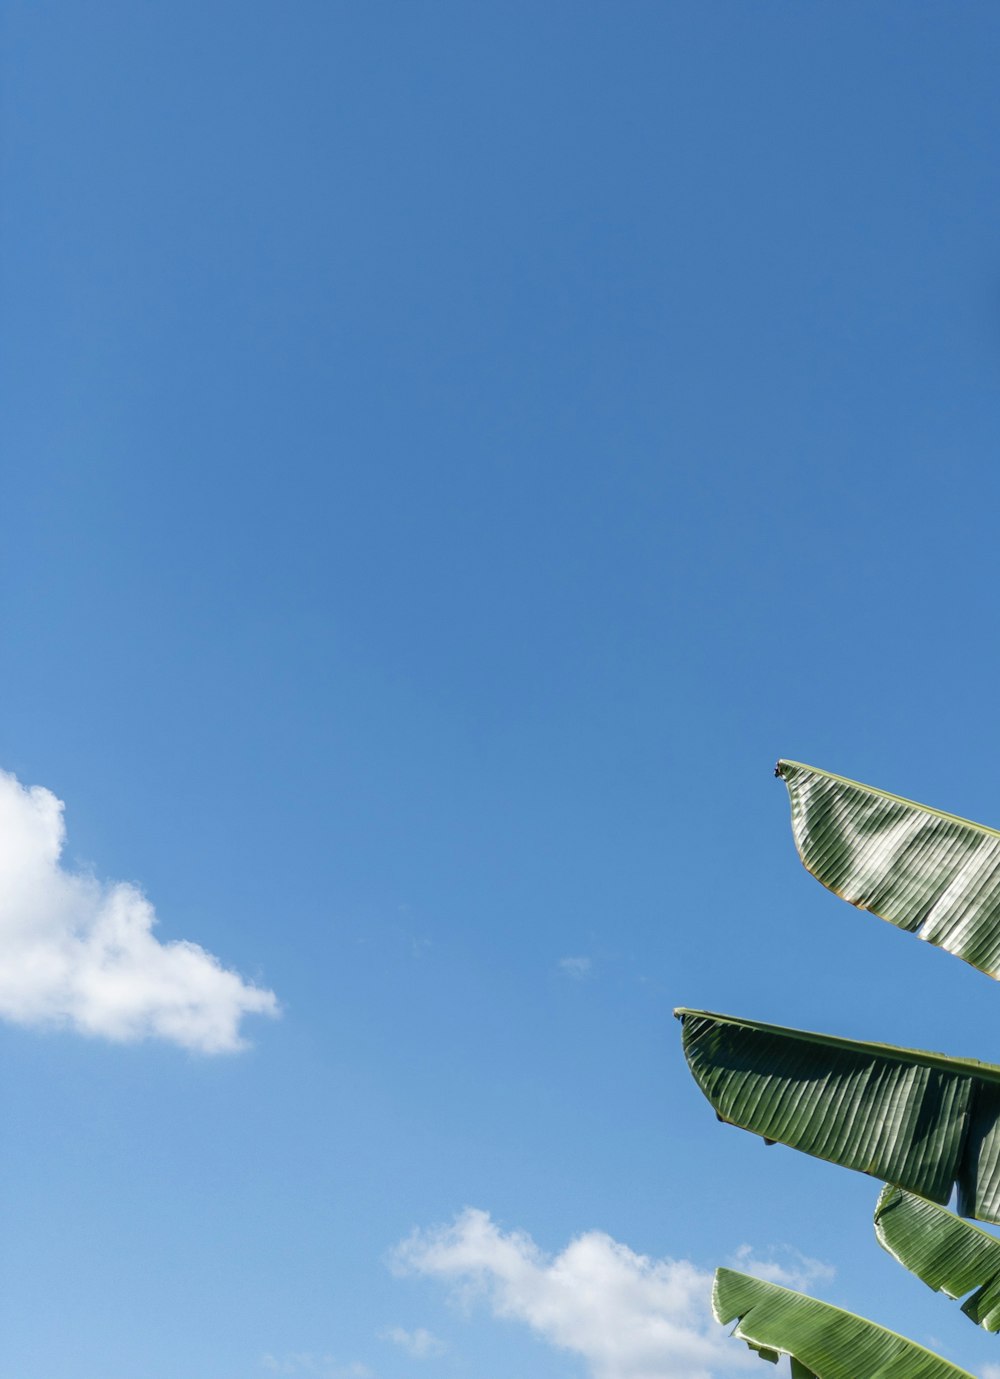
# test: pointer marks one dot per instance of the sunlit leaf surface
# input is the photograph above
(952, 1256)
(921, 1121)
(824, 1342)
(933, 874)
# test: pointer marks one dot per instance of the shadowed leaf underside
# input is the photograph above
(932, 874)
(918, 1120)
(823, 1341)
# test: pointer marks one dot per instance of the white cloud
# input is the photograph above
(578, 968)
(628, 1316)
(991, 1372)
(786, 1266)
(80, 953)
(419, 1342)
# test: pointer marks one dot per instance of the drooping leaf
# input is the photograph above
(824, 1342)
(921, 1121)
(933, 874)
(950, 1255)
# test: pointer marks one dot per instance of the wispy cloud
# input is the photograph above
(577, 968)
(419, 1342)
(315, 1366)
(628, 1316)
(785, 1265)
(81, 953)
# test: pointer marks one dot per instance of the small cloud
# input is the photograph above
(576, 968)
(81, 954)
(784, 1265)
(991, 1372)
(419, 1342)
(316, 1366)
(288, 1365)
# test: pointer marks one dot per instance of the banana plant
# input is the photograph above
(922, 1122)
(951, 1256)
(823, 1342)
(932, 874)
(919, 1120)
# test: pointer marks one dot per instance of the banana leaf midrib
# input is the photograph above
(988, 1072)
(888, 795)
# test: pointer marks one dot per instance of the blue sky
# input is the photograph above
(452, 451)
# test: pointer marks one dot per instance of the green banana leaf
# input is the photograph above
(921, 1121)
(950, 1255)
(823, 1341)
(933, 874)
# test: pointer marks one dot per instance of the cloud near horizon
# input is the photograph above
(627, 1315)
(79, 953)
